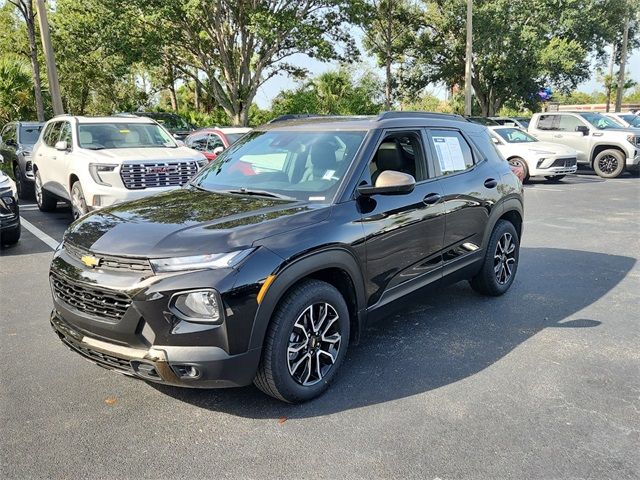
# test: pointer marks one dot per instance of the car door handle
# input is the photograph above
(432, 198)
(491, 183)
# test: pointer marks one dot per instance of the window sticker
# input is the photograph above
(450, 154)
(328, 175)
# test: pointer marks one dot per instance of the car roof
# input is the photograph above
(223, 130)
(370, 122)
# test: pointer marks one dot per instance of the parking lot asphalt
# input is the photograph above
(543, 382)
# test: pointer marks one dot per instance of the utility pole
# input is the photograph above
(610, 84)
(623, 61)
(469, 52)
(52, 71)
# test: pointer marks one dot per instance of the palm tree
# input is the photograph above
(16, 90)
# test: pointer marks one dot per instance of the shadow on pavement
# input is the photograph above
(441, 337)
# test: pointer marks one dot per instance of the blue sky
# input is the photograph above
(271, 88)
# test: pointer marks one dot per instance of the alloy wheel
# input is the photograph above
(77, 202)
(314, 344)
(504, 258)
(38, 190)
(608, 164)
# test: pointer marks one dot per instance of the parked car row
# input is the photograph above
(607, 143)
(9, 210)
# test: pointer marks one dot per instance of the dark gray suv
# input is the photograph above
(16, 142)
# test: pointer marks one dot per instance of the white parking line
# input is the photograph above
(51, 242)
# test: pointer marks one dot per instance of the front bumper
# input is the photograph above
(633, 162)
(9, 210)
(98, 196)
(184, 366)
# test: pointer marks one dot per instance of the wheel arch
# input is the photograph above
(336, 266)
(511, 210)
(601, 148)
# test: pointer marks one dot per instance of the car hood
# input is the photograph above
(144, 154)
(190, 222)
(556, 148)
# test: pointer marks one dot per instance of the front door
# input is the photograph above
(404, 233)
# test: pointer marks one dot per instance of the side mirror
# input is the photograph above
(62, 146)
(218, 150)
(582, 128)
(390, 182)
(495, 141)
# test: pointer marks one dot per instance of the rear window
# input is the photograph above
(29, 134)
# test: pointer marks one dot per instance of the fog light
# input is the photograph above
(186, 371)
(197, 306)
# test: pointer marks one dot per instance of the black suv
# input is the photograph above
(273, 258)
(16, 142)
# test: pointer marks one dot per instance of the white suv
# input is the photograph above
(93, 162)
(601, 143)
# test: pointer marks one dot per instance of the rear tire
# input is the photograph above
(11, 236)
(305, 343)
(609, 163)
(500, 261)
(46, 201)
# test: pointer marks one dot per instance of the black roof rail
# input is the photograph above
(415, 114)
(295, 116)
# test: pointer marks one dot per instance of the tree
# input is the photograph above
(517, 49)
(391, 29)
(16, 90)
(240, 44)
(25, 7)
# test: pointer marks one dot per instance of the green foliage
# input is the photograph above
(16, 90)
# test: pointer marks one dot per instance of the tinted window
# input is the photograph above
(53, 133)
(632, 120)
(453, 153)
(29, 134)
(547, 122)
(99, 136)
(214, 142)
(198, 142)
(233, 137)
(600, 121)
(401, 152)
(303, 165)
(65, 134)
(569, 123)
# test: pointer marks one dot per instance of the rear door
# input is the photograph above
(469, 183)
(47, 160)
(404, 233)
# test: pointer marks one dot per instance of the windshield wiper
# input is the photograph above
(96, 148)
(260, 193)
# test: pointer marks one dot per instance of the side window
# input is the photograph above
(568, 123)
(546, 122)
(453, 153)
(402, 152)
(214, 142)
(65, 134)
(198, 142)
(52, 134)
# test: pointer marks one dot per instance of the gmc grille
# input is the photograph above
(138, 176)
(89, 300)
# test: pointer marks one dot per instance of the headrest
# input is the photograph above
(389, 157)
(323, 155)
(85, 137)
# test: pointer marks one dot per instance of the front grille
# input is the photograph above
(98, 357)
(564, 162)
(90, 300)
(138, 176)
(110, 262)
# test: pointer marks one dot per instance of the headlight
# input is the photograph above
(96, 168)
(199, 262)
(197, 306)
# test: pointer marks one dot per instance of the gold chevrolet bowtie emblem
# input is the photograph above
(90, 261)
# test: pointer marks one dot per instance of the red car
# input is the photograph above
(212, 141)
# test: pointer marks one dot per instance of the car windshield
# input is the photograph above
(29, 134)
(600, 121)
(99, 136)
(633, 120)
(171, 122)
(515, 135)
(302, 165)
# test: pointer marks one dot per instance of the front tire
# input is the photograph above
(609, 163)
(78, 202)
(46, 202)
(500, 262)
(305, 343)
(520, 162)
(10, 237)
